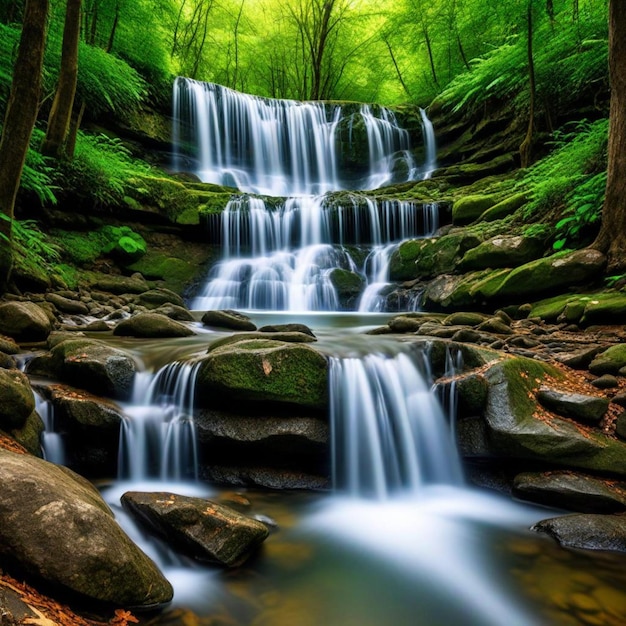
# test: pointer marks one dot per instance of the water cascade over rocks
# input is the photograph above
(312, 250)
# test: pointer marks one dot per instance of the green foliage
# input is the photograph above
(100, 170)
(9, 38)
(570, 182)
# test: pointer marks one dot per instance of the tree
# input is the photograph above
(19, 121)
(525, 149)
(61, 111)
(612, 236)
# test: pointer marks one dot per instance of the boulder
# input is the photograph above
(505, 207)
(570, 490)
(620, 425)
(151, 325)
(67, 305)
(228, 319)
(8, 346)
(91, 365)
(464, 319)
(578, 406)
(48, 513)
(610, 361)
(287, 337)
(16, 399)
(470, 208)
(24, 321)
(175, 312)
(205, 530)
(347, 284)
(504, 251)
(515, 429)
(587, 531)
(121, 284)
(29, 434)
(287, 328)
(263, 370)
(155, 298)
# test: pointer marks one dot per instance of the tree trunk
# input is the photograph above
(612, 236)
(19, 121)
(525, 150)
(61, 111)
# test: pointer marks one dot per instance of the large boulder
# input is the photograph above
(610, 361)
(91, 365)
(587, 531)
(263, 370)
(155, 298)
(516, 428)
(469, 208)
(151, 325)
(24, 321)
(205, 530)
(55, 526)
(17, 401)
(504, 251)
(578, 406)
(228, 319)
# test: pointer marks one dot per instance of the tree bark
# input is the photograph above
(19, 121)
(61, 111)
(525, 150)
(612, 236)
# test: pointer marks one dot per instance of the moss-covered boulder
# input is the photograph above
(17, 401)
(610, 361)
(607, 308)
(29, 434)
(347, 284)
(501, 252)
(262, 370)
(505, 207)
(24, 321)
(517, 428)
(469, 208)
(91, 365)
(56, 527)
(228, 319)
(423, 258)
(174, 271)
(151, 325)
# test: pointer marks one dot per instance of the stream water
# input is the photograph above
(401, 539)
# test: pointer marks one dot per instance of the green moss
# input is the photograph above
(175, 272)
(505, 207)
(469, 208)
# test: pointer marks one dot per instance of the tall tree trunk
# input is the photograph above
(395, 64)
(61, 111)
(19, 121)
(525, 150)
(612, 236)
(116, 21)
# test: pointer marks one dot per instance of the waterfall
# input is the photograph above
(388, 432)
(282, 257)
(285, 147)
(430, 145)
(52, 444)
(158, 437)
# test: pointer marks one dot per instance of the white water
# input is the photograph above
(52, 443)
(158, 435)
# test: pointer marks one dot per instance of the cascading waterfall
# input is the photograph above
(280, 254)
(158, 440)
(52, 443)
(388, 432)
(283, 257)
(285, 147)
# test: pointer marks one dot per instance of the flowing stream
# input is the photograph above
(401, 538)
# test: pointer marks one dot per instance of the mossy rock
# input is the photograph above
(16, 399)
(29, 435)
(605, 309)
(262, 370)
(423, 258)
(468, 209)
(346, 283)
(123, 244)
(610, 361)
(175, 272)
(501, 252)
(505, 207)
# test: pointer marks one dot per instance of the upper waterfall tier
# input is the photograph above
(287, 148)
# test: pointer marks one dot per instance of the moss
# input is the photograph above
(261, 370)
(550, 308)
(470, 208)
(346, 283)
(610, 361)
(176, 273)
(505, 207)
(605, 309)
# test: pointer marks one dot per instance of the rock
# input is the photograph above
(121, 284)
(67, 305)
(503, 251)
(606, 381)
(48, 513)
(206, 530)
(468, 335)
(91, 365)
(151, 325)
(610, 361)
(7, 362)
(8, 346)
(580, 359)
(578, 406)
(620, 425)
(495, 325)
(569, 490)
(514, 430)
(228, 319)
(287, 337)
(24, 321)
(287, 328)
(29, 435)
(155, 298)
(464, 319)
(405, 324)
(262, 370)
(347, 284)
(175, 312)
(97, 326)
(16, 399)
(587, 531)
(470, 208)
(505, 207)
(605, 309)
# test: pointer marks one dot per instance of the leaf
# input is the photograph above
(558, 244)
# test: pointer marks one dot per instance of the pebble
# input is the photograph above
(606, 381)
